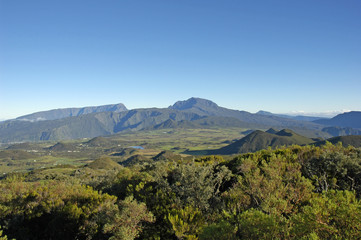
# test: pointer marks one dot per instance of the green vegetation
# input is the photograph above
(352, 140)
(259, 140)
(295, 192)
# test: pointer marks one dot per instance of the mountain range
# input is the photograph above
(71, 112)
(297, 117)
(89, 122)
(348, 119)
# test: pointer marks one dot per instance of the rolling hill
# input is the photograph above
(352, 140)
(259, 140)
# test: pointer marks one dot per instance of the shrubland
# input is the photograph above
(296, 192)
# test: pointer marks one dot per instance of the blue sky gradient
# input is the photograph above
(276, 55)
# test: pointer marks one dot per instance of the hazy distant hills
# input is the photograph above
(349, 119)
(259, 140)
(298, 117)
(341, 131)
(193, 113)
(71, 112)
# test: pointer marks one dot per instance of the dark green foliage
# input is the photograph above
(332, 215)
(59, 210)
(296, 192)
(335, 167)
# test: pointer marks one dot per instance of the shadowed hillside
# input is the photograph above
(259, 140)
(349, 119)
(346, 141)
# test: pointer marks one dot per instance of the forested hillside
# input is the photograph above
(296, 192)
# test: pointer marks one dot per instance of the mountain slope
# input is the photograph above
(71, 112)
(192, 113)
(341, 131)
(259, 140)
(205, 107)
(89, 125)
(349, 119)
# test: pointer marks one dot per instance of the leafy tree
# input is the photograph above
(332, 215)
(269, 181)
(214, 231)
(2, 237)
(60, 210)
(335, 168)
(186, 222)
(127, 224)
(255, 224)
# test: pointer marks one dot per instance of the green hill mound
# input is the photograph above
(272, 131)
(167, 155)
(352, 140)
(61, 146)
(125, 152)
(134, 160)
(98, 142)
(259, 140)
(104, 163)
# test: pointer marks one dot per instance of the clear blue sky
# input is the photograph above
(279, 56)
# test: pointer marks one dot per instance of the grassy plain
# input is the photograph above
(27, 157)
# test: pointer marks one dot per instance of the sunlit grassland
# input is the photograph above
(153, 142)
(23, 165)
(179, 140)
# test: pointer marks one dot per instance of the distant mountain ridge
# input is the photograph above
(205, 107)
(348, 119)
(71, 112)
(341, 131)
(92, 122)
(298, 117)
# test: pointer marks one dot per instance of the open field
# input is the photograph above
(26, 157)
